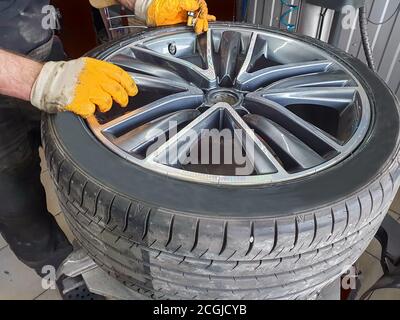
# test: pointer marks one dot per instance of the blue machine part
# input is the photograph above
(291, 8)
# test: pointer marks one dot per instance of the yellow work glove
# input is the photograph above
(81, 85)
(169, 12)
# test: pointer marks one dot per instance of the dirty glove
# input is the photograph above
(81, 85)
(169, 12)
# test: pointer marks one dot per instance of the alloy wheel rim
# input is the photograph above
(302, 110)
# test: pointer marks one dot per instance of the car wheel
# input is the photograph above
(325, 136)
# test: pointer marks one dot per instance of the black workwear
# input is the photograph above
(24, 24)
(30, 230)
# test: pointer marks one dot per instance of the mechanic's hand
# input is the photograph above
(168, 12)
(81, 85)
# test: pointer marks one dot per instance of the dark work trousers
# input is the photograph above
(30, 230)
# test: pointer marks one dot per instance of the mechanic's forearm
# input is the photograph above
(129, 4)
(17, 75)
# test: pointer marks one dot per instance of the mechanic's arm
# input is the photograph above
(17, 75)
(168, 12)
(78, 85)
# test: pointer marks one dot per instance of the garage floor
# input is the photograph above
(19, 282)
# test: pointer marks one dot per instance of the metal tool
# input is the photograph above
(117, 22)
(192, 17)
(190, 20)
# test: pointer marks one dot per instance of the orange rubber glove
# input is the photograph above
(170, 12)
(81, 85)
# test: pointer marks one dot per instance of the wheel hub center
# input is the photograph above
(230, 96)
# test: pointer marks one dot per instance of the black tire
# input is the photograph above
(174, 239)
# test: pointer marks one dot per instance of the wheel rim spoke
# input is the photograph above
(154, 83)
(136, 142)
(285, 144)
(262, 159)
(261, 78)
(130, 64)
(205, 48)
(258, 47)
(337, 98)
(228, 53)
(159, 108)
(337, 78)
(203, 78)
(175, 148)
(305, 131)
